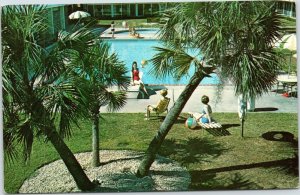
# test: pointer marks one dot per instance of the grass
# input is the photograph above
(262, 159)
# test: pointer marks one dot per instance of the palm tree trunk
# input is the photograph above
(75, 169)
(81, 179)
(95, 150)
(167, 124)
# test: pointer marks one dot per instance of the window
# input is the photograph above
(132, 10)
(106, 10)
(140, 9)
(56, 21)
(125, 10)
(117, 9)
(148, 9)
(155, 9)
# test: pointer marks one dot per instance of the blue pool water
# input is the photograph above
(138, 50)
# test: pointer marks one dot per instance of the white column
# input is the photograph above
(112, 10)
(128, 10)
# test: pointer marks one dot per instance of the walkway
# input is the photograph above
(271, 102)
(123, 33)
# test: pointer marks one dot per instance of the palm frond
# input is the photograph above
(179, 23)
(25, 137)
(10, 150)
(77, 40)
(63, 101)
(116, 100)
(171, 60)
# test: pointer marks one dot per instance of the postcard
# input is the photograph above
(149, 96)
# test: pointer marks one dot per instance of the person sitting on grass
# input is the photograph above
(206, 115)
(161, 106)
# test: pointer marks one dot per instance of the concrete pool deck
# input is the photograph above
(270, 102)
(108, 35)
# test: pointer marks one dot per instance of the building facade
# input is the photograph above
(287, 7)
(57, 18)
(133, 10)
(140, 10)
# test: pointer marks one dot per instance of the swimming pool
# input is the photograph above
(138, 50)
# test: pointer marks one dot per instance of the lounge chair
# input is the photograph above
(213, 125)
(160, 108)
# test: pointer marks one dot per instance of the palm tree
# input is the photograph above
(40, 87)
(236, 39)
(102, 71)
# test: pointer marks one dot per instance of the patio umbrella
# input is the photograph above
(290, 42)
(78, 15)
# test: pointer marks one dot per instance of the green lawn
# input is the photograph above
(263, 159)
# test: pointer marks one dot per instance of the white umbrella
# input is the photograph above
(78, 15)
(290, 42)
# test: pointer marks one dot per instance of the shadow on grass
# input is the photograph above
(206, 179)
(154, 117)
(209, 182)
(215, 132)
(218, 132)
(282, 136)
(180, 120)
(193, 150)
(292, 166)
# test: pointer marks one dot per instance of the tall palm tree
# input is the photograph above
(102, 71)
(236, 39)
(40, 87)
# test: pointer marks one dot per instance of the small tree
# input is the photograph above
(235, 37)
(40, 89)
(101, 71)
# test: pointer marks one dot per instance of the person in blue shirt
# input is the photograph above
(205, 116)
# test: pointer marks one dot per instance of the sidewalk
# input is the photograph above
(270, 102)
(120, 35)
